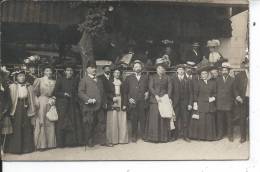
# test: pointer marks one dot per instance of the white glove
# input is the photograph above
(195, 106)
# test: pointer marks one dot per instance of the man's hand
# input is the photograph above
(195, 106)
(146, 95)
(212, 99)
(132, 101)
(67, 95)
(124, 108)
(239, 99)
(189, 107)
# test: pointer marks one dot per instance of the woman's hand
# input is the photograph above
(158, 99)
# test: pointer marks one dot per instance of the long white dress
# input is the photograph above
(44, 131)
(117, 129)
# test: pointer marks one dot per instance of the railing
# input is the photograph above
(126, 71)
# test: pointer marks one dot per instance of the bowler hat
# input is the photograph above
(92, 64)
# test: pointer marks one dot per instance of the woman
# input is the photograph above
(68, 126)
(44, 131)
(117, 130)
(158, 128)
(202, 126)
(214, 56)
(23, 109)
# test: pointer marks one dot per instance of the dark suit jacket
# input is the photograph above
(202, 93)
(108, 90)
(225, 93)
(193, 57)
(135, 89)
(240, 84)
(5, 99)
(176, 93)
(88, 89)
(159, 86)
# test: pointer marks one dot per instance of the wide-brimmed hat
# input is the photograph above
(205, 68)
(213, 43)
(225, 65)
(161, 62)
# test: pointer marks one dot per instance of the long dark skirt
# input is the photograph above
(21, 141)
(203, 128)
(157, 128)
(69, 124)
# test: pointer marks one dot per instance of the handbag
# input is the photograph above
(165, 107)
(52, 114)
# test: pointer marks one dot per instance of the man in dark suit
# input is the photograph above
(242, 98)
(93, 104)
(135, 97)
(224, 102)
(182, 101)
(193, 56)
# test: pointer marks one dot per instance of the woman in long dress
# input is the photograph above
(117, 130)
(203, 122)
(158, 128)
(23, 108)
(68, 126)
(44, 131)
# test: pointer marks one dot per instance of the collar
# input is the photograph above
(107, 76)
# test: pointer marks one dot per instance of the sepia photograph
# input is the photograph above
(105, 80)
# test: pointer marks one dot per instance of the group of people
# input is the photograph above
(109, 110)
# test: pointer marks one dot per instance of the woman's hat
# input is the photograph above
(213, 43)
(225, 65)
(206, 68)
(116, 67)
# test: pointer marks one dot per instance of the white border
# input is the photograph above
(201, 166)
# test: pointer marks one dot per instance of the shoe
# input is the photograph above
(186, 139)
(134, 139)
(231, 139)
(242, 140)
(107, 145)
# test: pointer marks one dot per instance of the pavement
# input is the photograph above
(177, 150)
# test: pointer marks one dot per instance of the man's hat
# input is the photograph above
(161, 62)
(92, 64)
(195, 44)
(138, 61)
(181, 66)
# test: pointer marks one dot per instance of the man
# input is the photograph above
(214, 73)
(193, 56)
(69, 124)
(107, 83)
(135, 97)
(242, 98)
(182, 101)
(224, 100)
(93, 104)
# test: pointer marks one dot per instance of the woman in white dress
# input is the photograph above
(44, 130)
(117, 130)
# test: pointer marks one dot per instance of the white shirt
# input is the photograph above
(189, 76)
(138, 76)
(22, 91)
(107, 76)
(181, 77)
(225, 78)
(117, 84)
(195, 52)
(206, 81)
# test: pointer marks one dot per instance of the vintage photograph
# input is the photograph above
(124, 80)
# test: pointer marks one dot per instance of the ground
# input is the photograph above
(177, 150)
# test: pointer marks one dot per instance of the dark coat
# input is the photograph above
(89, 89)
(225, 93)
(159, 87)
(240, 84)
(108, 90)
(135, 89)
(202, 92)
(110, 101)
(178, 94)
(193, 57)
(5, 99)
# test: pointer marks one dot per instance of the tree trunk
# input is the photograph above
(86, 49)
